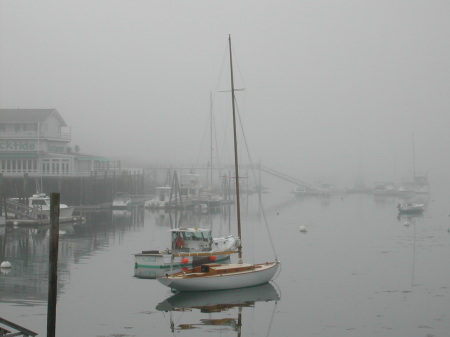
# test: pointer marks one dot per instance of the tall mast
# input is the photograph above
(236, 163)
(210, 137)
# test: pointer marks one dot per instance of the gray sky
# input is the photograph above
(329, 84)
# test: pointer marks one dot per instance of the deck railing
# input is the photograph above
(66, 136)
(21, 330)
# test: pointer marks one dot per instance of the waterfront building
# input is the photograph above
(36, 155)
(37, 142)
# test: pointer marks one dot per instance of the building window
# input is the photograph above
(46, 166)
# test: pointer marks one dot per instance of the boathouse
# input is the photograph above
(35, 148)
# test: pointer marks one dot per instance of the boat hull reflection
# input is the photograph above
(212, 301)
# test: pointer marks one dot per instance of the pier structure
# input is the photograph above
(157, 174)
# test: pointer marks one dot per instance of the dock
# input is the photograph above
(41, 222)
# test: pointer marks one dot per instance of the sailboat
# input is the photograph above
(214, 276)
(419, 186)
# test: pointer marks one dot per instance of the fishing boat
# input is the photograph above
(411, 207)
(214, 276)
(188, 246)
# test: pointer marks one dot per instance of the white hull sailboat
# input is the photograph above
(213, 276)
(221, 276)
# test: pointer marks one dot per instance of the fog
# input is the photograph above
(333, 89)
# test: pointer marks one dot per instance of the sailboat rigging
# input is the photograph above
(213, 276)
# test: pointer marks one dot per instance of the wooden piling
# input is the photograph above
(53, 264)
(2, 194)
(5, 207)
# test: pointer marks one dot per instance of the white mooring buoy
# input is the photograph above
(5, 264)
(303, 229)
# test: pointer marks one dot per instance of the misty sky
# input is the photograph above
(330, 86)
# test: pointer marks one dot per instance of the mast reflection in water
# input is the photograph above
(218, 309)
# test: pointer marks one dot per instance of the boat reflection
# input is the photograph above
(409, 217)
(216, 308)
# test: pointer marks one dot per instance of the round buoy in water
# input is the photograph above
(185, 260)
(303, 229)
(5, 264)
(213, 258)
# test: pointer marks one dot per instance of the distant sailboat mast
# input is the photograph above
(414, 160)
(236, 164)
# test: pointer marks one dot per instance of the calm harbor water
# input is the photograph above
(357, 271)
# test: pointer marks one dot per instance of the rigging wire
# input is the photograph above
(254, 177)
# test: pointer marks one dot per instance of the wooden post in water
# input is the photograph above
(2, 194)
(53, 264)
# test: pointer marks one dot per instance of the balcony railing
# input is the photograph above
(62, 173)
(66, 136)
